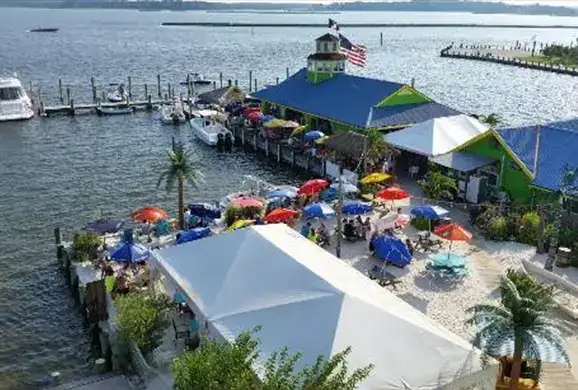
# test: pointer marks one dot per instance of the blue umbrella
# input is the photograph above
(267, 118)
(129, 252)
(449, 260)
(194, 234)
(319, 210)
(282, 193)
(328, 194)
(313, 135)
(391, 249)
(204, 210)
(103, 226)
(356, 208)
(430, 212)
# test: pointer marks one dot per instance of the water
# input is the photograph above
(64, 171)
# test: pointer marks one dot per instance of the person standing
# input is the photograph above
(187, 218)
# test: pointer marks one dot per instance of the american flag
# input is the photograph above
(356, 54)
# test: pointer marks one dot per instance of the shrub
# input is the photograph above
(439, 186)
(513, 225)
(488, 212)
(143, 318)
(420, 223)
(497, 229)
(85, 245)
(530, 228)
(232, 212)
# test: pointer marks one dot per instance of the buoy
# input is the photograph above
(55, 377)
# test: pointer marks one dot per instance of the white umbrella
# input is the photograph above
(346, 187)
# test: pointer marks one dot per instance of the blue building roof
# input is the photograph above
(557, 149)
(348, 99)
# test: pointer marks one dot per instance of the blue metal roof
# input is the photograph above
(558, 143)
(462, 161)
(348, 99)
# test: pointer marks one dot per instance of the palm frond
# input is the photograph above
(553, 338)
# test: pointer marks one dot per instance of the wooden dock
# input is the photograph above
(511, 57)
(71, 108)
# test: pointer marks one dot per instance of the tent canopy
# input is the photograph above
(437, 136)
(305, 298)
(222, 96)
(462, 161)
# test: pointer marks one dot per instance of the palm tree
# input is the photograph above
(179, 168)
(522, 316)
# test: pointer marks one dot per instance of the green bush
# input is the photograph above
(143, 318)
(497, 229)
(420, 223)
(488, 212)
(439, 186)
(85, 245)
(530, 229)
(232, 212)
(513, 225)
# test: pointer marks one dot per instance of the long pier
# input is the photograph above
(364, 25)
(511, 57)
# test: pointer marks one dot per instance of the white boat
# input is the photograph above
(15, 104)
(173, 114)
(206, 127)
(117, 95)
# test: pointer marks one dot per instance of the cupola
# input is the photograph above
(327, 61)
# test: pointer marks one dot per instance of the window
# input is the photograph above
(325, 47)
(318, 47)
(10, 93)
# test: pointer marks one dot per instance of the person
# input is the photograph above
(306, 229)
(187, 217)
(313, 236)
(323, 233)
(409, 245)
(349, 230)
(371, 242)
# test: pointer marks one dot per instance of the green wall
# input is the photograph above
(514, 181)
(316, 77)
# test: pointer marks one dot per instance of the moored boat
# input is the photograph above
(114, 110)
(206, 127)
(15, 104)
(52, 30)
(173, 114)
(118, 95)
(196, 79)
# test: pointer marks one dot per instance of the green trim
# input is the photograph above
(316, 77)
(404, 95)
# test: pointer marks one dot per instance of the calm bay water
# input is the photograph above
(65, 171)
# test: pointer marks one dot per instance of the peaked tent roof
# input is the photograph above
(437, 136)
(308, 300)
(349, 99)
(554, 144)
(222, 96)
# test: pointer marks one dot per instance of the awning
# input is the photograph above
(462, 161)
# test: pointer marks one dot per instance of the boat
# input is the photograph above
(106, 111)
(173, 114)
(117, 95)
(15, 104)
(196, 79)
(52, 30)
(206, 127)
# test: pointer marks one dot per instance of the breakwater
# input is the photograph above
(363, 25)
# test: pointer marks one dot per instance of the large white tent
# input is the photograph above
(437, 136)
(305, 298)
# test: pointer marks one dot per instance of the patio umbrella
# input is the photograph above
(319, 210)
(267, 118)
(273, 123)
(255, 116)
(204, 210)
(282, 193)
(149, 214)
(402, 220)
(392, 193)
(298, 130)
(429, 212)
(452, 232)
(246, 201)
(313, 135)
(392, 249)
(376, 177)
(290, 125)
(444, 260)
(328, 195)
(129, 252)
(103, 226)
(247, 111)
(312, 187)
(194, 234)
(280, 215)
(356, 208)
(240, 224)
(346, 187)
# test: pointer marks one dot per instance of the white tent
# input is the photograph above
(437, 136)
(305, 298)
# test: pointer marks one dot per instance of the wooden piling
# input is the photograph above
(229, 82)
(287, 72)
(159, 86)
(68, 95)
(146, 90)
(277, 80)
(221, 79)
(130, 87)
(255, 89)
(103, 96)
(214, 85)
(150, 102)
(57, 236)
(93, 89)
(236, 83)
(72, 107)
(279, 153)
(380, 39)
(169, 89)
(250, 80)
(60, 90)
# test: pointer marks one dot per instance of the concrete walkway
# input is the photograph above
(98, 382)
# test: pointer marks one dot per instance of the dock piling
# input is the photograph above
(60, 90)
(169, 89)
(215, 84)
(72, 107)
(150, 102)
(287, 72)
(57, 236)
(93, 89)
(250, 80)
(277, 80)
(255, 89)
(229, 82)
(68, 95)
(129, 87)
(236, 83)
(221, 79)
(146, 91)
(159, 85)
(380, 39)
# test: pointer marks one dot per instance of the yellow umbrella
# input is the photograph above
(240, 224)
(376, 177)
(298, 130)
(322, 139)
(274, 123)
(290, 124)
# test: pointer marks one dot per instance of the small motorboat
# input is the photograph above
(117, 95)
(206, 127)
(106, 111)
(51, 30)
(15, 104)
(196, 79)
(173, 114)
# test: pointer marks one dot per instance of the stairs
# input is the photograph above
(558, 377)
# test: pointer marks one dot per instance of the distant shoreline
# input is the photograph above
(362, 25)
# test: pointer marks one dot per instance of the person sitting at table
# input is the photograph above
(323, 233)
(313, 236)
(409, 245)
(349, 231)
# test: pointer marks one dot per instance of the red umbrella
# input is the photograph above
(149, 214)
(392, 193)
(246, 201)
(249, 110)
(312, 187)
(255, 116)
(280, 215)
(453, 232)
